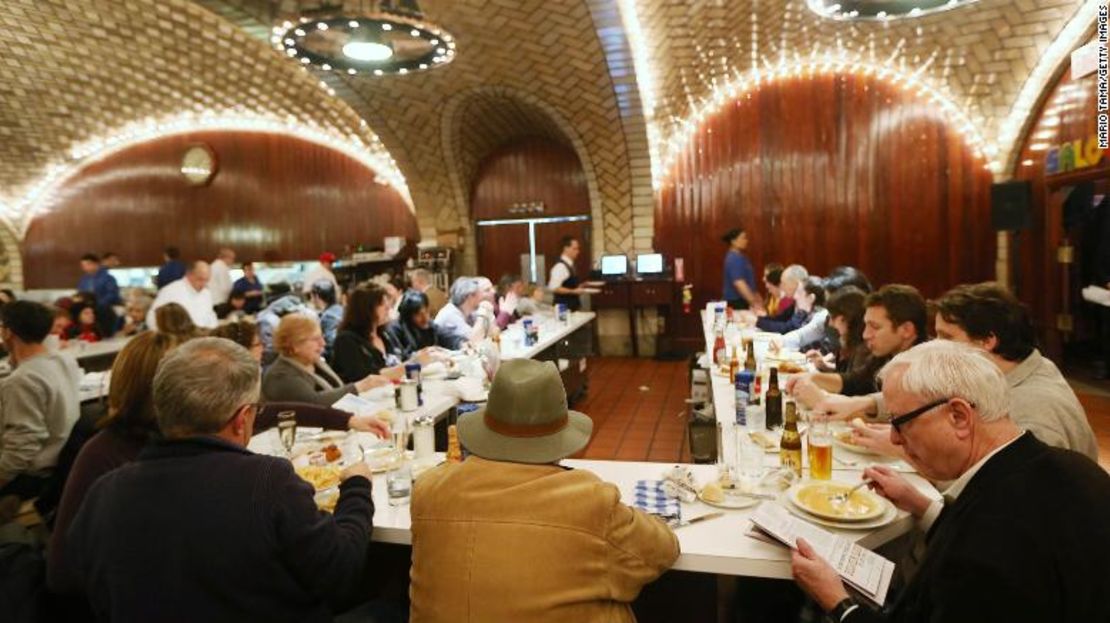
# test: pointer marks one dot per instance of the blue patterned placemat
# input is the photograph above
(650, 498)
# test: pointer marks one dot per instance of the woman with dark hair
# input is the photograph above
(739, 276)
(245, 333)
(173, 319)
(84, 327)
(360, 345)
(806, 300)
(130, 423)
(848, 351)
(772, 280)
(414, 331)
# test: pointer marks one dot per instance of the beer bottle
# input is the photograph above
(772, 400)
(733, 367)
(749, 361)
(454, 452)
(790, 448)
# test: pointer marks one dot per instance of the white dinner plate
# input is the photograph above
(889, 515)
(837, 435)
(732, 502)
(819, 490)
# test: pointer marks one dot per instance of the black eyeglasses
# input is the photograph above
(897, 421)
(256, 406)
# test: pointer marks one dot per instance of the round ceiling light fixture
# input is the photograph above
(377, 38)
(881, 10)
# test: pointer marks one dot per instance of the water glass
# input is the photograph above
(749, 459)
(287, 430)
(399, 485)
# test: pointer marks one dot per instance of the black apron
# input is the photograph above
(572, 301)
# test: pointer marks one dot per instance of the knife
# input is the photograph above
(699, 518)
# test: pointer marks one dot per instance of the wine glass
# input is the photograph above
(287, 430)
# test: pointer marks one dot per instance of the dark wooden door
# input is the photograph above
(500, 248)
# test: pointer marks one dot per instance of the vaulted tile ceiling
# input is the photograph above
(572, 70)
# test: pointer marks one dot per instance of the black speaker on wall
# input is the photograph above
(1011, 206)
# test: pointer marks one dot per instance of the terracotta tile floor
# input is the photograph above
(639, 412)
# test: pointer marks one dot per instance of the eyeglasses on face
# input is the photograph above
(257, 407)
(898, 421)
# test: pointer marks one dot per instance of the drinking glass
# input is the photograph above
(819, 439)
(399, 484)
(287, 430)
(400, 430)
(749, 459)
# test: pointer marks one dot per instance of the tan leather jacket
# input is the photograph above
(495, 541)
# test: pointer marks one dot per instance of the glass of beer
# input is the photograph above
(820, 448)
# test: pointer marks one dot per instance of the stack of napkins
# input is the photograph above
(651, 499)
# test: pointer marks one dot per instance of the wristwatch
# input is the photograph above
(842, 609)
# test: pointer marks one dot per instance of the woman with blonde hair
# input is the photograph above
(300, 374)
(128, 426)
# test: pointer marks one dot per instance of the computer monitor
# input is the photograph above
(649, 264)
(614, 266)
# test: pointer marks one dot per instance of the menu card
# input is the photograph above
(355, 404)
(863, 570)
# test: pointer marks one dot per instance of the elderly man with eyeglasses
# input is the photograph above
(201, 529)
(1022, 533)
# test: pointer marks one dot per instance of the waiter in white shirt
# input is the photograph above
(323, 271)
(190, 292)
(563, 281)
(220, 283)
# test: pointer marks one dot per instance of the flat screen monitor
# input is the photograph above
(614, 265)
(649, 264)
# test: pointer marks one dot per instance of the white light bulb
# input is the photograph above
(353, 24)
(387, 26)
(321, 26)
(367, 51)
(299, 32)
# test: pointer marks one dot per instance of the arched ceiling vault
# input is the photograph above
(78, 70)
(83, 76)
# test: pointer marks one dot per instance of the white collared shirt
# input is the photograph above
(316, 274)
(197, 304)
(559, 273)
(219, 284)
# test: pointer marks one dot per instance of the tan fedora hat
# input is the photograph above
(526, 419)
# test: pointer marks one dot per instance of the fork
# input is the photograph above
(841, 498)
(845, 462)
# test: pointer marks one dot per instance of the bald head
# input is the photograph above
(198, 275)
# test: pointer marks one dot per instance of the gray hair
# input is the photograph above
(464, 288)
(420, 274)
(943, 369)
(795, 272)
(201, 383)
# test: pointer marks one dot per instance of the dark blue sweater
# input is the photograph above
(203, 530)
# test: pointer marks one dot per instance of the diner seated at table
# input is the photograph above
(361, 347)
(510, 535)
(809, 300)
(300, 374)
(134, 320)
(777, 300)
(324, 298)
(847, 351)
(129, 424)
(510, 289)
(269, 318)
(466, 317)
(198, 528)
(894, 321)
(38, 400)
(989, 317)
(533, 301)
(791, 277)
(234, 308)
(173, 319)
(243, 332)
(414, 330)
(1021, 535)
(85, 327)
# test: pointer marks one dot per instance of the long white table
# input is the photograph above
(550, 332)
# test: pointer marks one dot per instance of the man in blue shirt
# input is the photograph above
(250, 287)
(172, 270)
(739, 276)
(98, 281)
